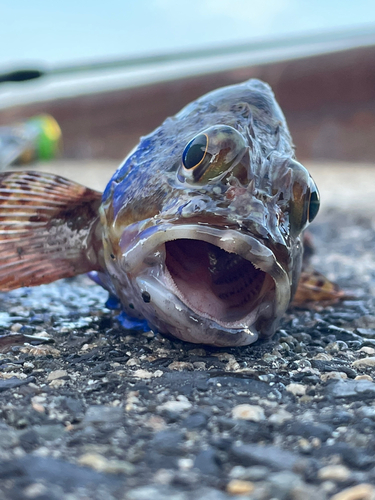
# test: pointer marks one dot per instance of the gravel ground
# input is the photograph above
(99, 412)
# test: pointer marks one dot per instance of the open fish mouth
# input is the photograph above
(214, 283)
(222, 282)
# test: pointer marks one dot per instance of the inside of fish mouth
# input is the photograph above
(215, 283)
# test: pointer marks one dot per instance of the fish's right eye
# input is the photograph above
(212, 154)
(195, 153)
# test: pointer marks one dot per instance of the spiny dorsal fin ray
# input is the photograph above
(47, 229)
(315, 287)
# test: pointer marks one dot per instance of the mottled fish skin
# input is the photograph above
(164, 230)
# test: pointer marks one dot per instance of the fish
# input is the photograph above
(199, 233)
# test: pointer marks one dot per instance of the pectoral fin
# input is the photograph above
(49, 229)
(315, 287)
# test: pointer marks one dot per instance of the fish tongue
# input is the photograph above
(47, 229)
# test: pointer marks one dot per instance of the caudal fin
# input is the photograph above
(48, 229)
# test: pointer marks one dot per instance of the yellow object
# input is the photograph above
(48, 138)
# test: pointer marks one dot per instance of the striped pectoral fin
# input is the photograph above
(315, 287)
(48, 229)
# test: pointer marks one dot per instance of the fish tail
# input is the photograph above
(49, 229)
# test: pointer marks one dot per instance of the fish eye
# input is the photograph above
(211, 154)
(196, 152)
(305, 199)
(314, 202)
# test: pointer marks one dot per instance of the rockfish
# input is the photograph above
(199, 231)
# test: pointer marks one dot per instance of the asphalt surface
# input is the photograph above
(99, 412)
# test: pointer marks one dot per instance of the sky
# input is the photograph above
(62, 32)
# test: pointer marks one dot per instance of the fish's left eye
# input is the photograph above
(305, 200)
(314, 202)
(211, 154)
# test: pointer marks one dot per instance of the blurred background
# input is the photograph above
(109, 72)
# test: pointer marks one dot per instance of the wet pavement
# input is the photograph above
(99, 412)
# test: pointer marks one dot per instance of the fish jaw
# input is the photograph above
(203, 284)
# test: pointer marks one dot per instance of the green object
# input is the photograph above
(48, 136)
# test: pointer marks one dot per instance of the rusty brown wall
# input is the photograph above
(329, 102)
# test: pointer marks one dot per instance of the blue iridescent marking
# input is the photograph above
(112, 302)
(123, 175)
(150, 231)
(130, 323)
(120, 172)
(146, 143)
(96, 278)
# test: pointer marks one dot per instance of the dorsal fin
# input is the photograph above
(48, 229)
(315, 287)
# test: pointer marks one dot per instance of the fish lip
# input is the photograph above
(211, 333)
(231, 240)
(245, 245)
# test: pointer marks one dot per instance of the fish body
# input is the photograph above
(199, 230)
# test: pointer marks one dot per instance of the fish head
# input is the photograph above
(202, 221)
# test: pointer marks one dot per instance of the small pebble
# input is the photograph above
(360, 492)
(332, 376)
(57, 383)
(40, 350)
(296, 389)
(16, 327)
(280, 417)
(156, 423)
(163, 476)
(254, 473)
(35, 490)
(238, 487)
(102, 464)
(337, 473)
(364, 363)
(56, 374)
(305, 445)
(322, 356)
(28, 365)
(175, 406)
(364, 377)
(199, 365)
(335, 347)
(181, 366)
(248, 412)
(232, 366)
(143, 374)
(368, 412)
(38, 407)
(185, 463)
(133, 362)
(328, 487)
(367, 350)
(269, 358)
